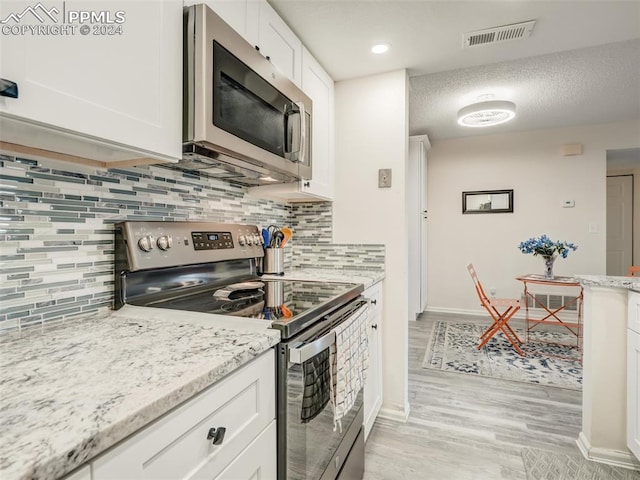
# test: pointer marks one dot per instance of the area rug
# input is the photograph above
(544, 465)
(452, 348)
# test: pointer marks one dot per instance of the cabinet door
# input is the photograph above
(633, 392)
(634, 311)
(119, 82)
(177, 445)
(318, 85)
(258, 461)
(373, 383)
(278, 42)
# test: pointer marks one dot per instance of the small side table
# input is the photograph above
(550, 314)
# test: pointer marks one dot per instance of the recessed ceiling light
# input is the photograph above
(380, 48)
(486, 114)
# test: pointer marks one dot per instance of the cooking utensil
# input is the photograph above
(278, 238)
(286, 313)
(288, 233)
(272, 231)
(266, 237)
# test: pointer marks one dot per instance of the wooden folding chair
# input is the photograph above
(634, 271)
(501, 310)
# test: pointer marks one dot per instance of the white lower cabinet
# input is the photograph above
(373, 383)
(259, 460)
(177, 445)
(633, 375)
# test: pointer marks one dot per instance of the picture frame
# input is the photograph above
(487, 201)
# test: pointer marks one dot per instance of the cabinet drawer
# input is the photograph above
(176, 445)
(634, 311)
(258, 461)
(374, 293)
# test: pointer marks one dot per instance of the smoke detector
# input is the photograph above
(506, 33)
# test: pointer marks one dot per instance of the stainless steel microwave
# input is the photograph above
(243, 119)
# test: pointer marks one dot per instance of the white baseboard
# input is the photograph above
(616, 458)
(395, 414)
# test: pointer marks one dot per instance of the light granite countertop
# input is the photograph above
(70, 391)
(631, 283)
(366, 277)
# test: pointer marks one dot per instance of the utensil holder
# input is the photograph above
(273, 261)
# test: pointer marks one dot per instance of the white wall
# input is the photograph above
(532, 165)
(372, 133)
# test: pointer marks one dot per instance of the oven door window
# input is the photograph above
(311, 445)
(247, 106)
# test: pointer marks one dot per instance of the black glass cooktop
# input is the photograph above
(289, 304)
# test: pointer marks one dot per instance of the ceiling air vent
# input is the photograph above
(505, 33)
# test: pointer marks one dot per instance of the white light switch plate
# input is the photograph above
(384, 178)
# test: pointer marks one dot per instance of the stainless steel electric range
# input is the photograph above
(209, 267)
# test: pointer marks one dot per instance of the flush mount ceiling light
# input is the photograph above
(486, 114)
(380, 48)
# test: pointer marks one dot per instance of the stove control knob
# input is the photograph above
(165, 242)
(257, 239)
(249, 239)
(146, 243)
(242, 240)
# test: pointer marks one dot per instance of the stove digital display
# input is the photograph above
(211, 240)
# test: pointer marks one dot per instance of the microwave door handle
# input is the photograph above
(303, 133)
(289, 111)
(302, 354)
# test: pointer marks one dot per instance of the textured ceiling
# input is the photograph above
(590, 85)
(581, 64)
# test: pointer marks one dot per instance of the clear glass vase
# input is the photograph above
(548, 266)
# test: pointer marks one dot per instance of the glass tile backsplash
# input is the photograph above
(56, 228)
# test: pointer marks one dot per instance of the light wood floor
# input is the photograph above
(465, 427)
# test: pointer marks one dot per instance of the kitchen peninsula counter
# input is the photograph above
(70, 391)
(366, 277)
(604, 390)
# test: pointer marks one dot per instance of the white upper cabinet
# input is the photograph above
(279, 44)
(261, 26)
(319, 86)
(107, 89)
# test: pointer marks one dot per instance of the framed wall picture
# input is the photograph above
(487, 201)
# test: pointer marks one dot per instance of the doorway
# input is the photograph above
(622, 210)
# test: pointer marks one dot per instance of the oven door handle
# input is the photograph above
(303, 353)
